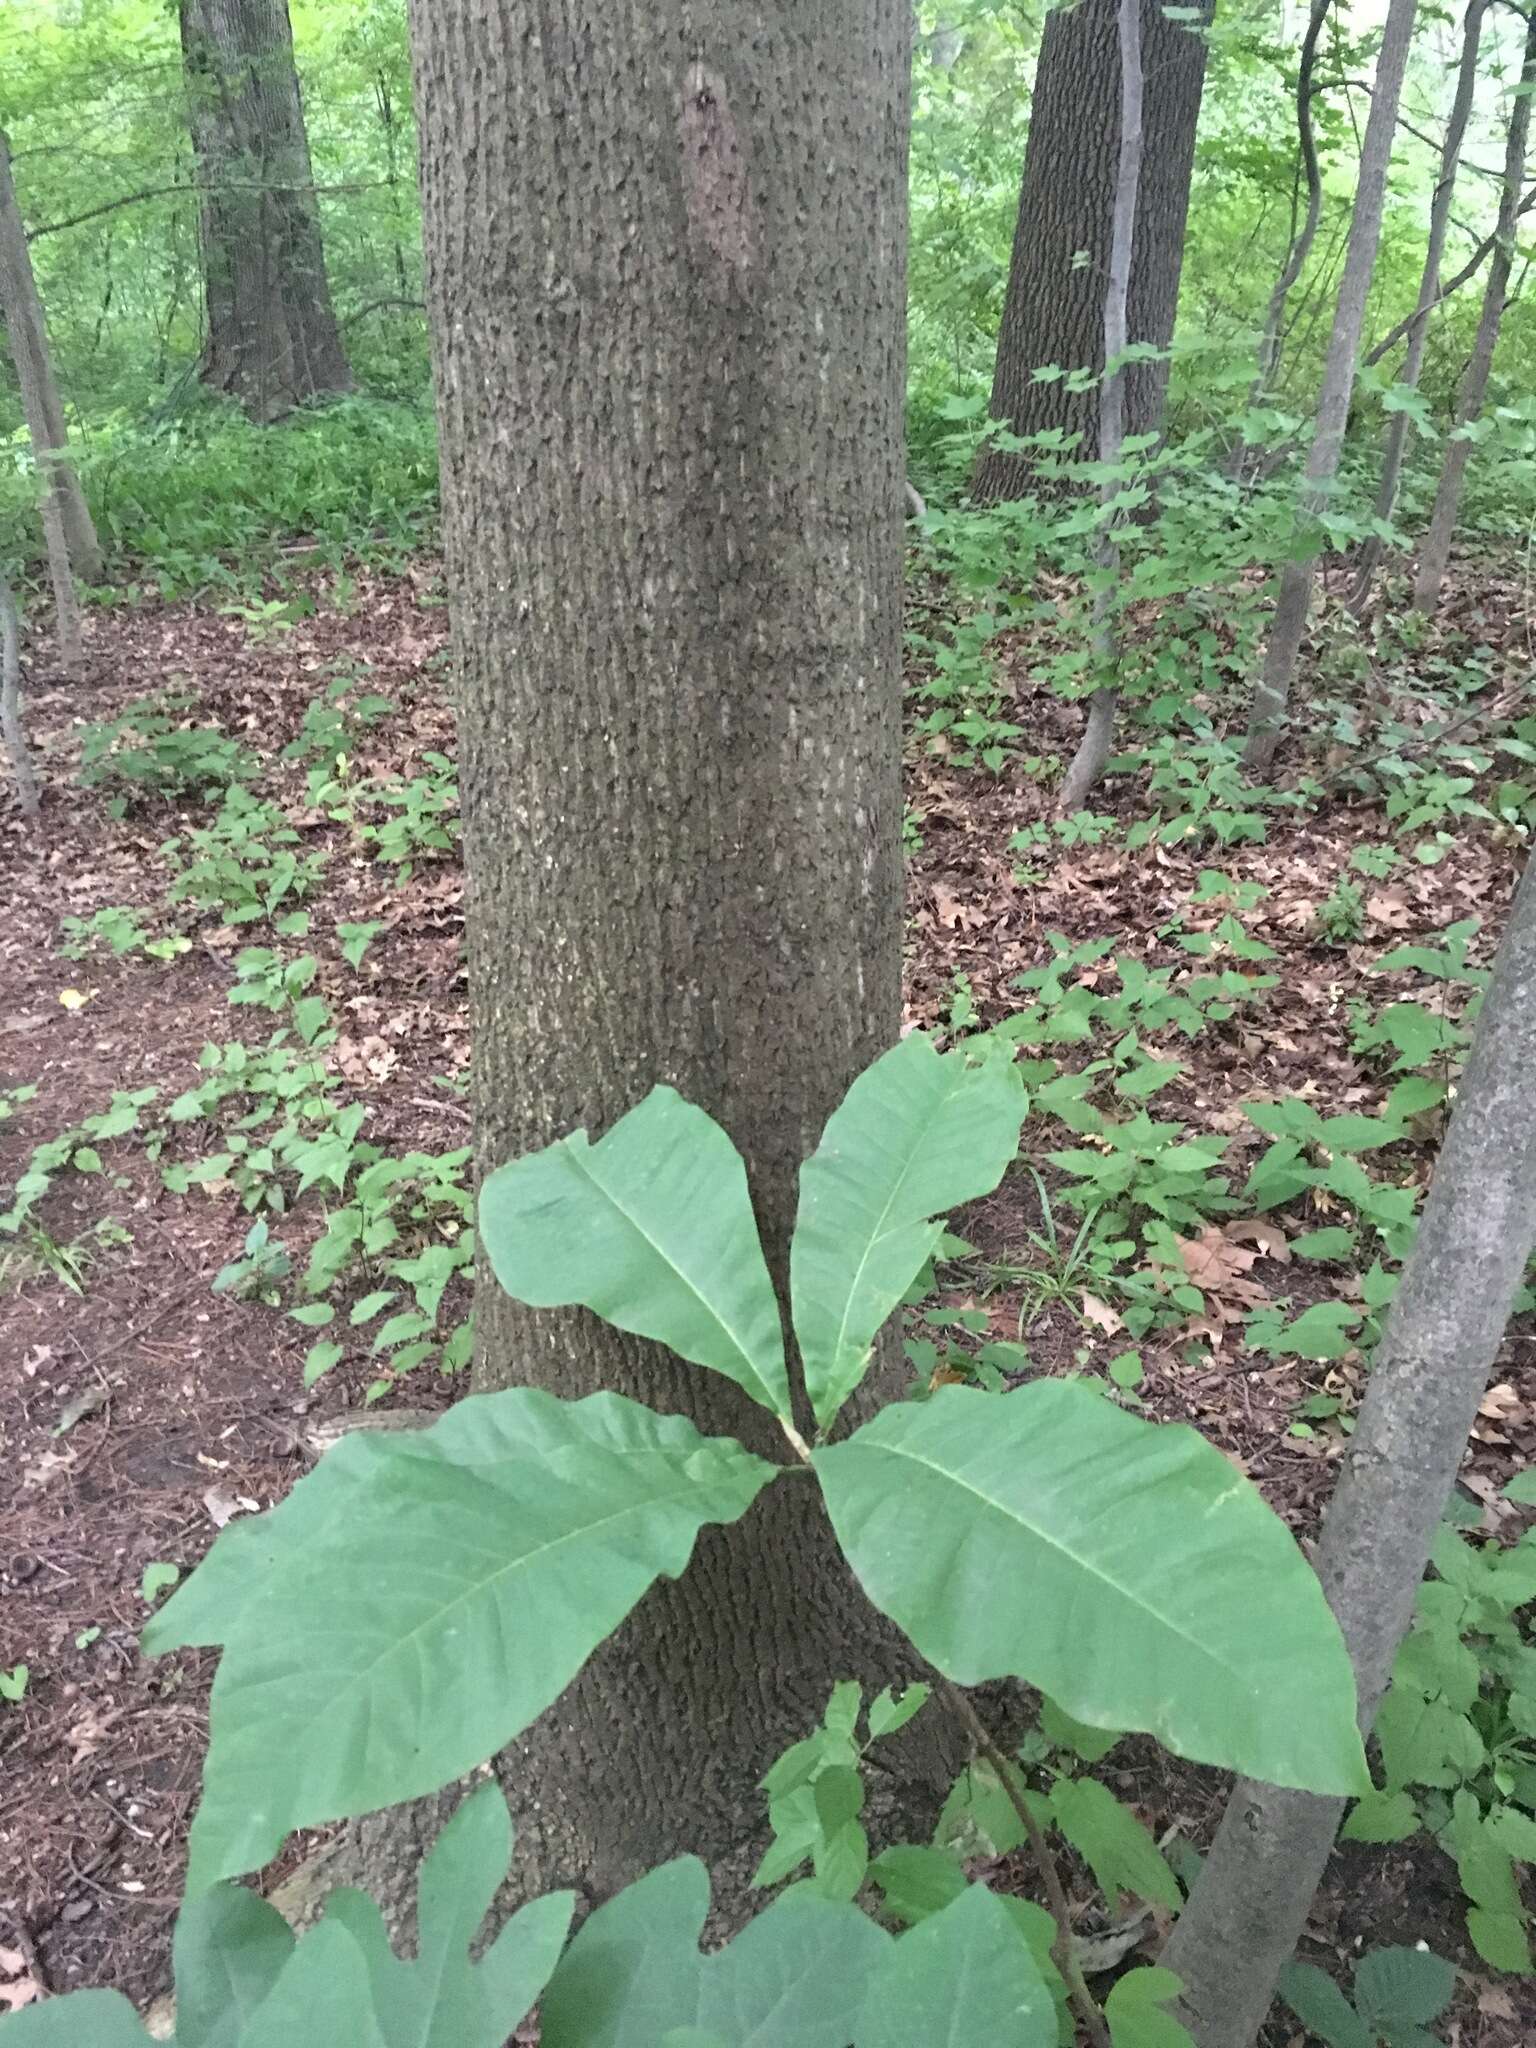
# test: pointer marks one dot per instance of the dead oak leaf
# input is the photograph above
(1101, 1315)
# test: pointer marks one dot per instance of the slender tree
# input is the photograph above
(1088, 763)
(670, 385)
(73, 550)
(1304, 231)
(1435, 554)
(11, 728)
(1273, 690)
(1396, 444)
(272, 341)
(1428, 1375)
(1054, 311)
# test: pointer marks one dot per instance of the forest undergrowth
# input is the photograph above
(232, 1117)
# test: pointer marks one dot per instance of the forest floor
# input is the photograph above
(139, 1409)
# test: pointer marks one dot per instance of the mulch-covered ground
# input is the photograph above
(139, 1409)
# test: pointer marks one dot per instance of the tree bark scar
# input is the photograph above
(715, 188)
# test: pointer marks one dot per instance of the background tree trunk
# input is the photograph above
(12, 730)
(670, 384)
(272, 340)
(65, 512)
(1092, 756)
(1435, 553)
(1272, 691)
(1429, 1373)
(1396, 443)
(1054, 312)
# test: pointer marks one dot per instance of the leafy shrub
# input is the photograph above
(151, 751)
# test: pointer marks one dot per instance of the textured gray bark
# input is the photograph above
(11, 730)
(1435, 553)
(1092, 756)
(1442, 1336)
(73, 549)
(1396, 443)
(1272, 691)
(1054, 311)
(272, 340)
(670, 382)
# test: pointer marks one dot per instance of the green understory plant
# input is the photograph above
(1456, 1734)
(1399, 1994)
(1180, 1605)
(151, 750)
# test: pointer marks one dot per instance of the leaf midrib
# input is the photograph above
(880, 1233)
(771, 1401)
(955, 1479)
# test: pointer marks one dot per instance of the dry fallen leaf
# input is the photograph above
(1386, 907)
(1266, 1234)
(1500, 1403)
(1101, 1314)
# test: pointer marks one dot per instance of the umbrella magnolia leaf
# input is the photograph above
(650, 1228)
(917, 1134)
(1123, 1567)
(422, 1596)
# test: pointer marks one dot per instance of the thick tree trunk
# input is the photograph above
(670, 382)
(1396, 444)
(1429, 1373)
(272, 340)
(1054, 312)
(1435, 553)
(1272, 691)
(73, 546)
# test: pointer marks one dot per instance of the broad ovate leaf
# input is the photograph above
(1123, 1567)
(420, 1597)
(917, 1134)
(650, 1228)
(963, 1976)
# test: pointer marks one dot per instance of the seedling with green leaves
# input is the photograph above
(1180, 1606)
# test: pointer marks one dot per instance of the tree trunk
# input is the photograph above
(1435, 554)
(1304, 235)
(1092, 756)
(1396, 445)
(272, 340)
(69, 520)
(1054, 312)
(1442, 1336)
(670, 382)
(11, 728)
(1273, 690)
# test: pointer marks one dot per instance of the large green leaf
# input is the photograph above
(441, 1999)
(1124, 1568)
(795, 1977)
(84, 2019)
(962, 1977)
(652, 1229)
(918, 1133)
(420, 1597)
(230, 1949)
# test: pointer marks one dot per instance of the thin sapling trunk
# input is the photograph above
(1429, 1373)
(10, 706)
(1435, 554)
(1272, 691)
(1089, 761)
(1396, 446)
